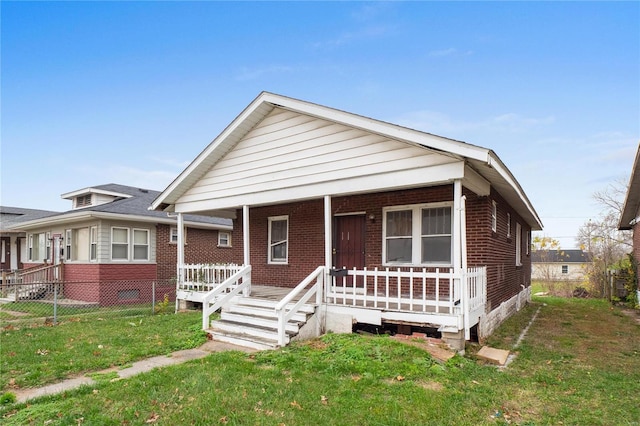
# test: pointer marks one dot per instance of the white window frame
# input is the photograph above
(133, 244)
(47, 244)
(30, 245)
(278, 261)
(226, 242)
(68, 242)
(128, 244)
(494, 216)
(173, 232)
(37, 248)
(518, 244)
(93, 243)
(416, 233)
(508, 225)
(564, 269)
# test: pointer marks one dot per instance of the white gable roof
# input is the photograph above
(282, 149)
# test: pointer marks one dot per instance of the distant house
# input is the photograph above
(559, 265)
(111, 235)
(13, 241)
(365, 221)
(630, 218)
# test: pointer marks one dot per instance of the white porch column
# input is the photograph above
(328, 249)
(457, 225)
(245, 234)
(180, 257)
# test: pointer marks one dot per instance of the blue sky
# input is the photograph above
(131, 92)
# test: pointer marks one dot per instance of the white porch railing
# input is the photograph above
(204, 277)
(398, 290)
(240, 281)
(284, 314)
(476, 296)
(435, 291)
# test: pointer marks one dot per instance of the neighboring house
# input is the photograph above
(630, 218)
(430, 231)
(559, 265)
(13, 242)
(111, 235)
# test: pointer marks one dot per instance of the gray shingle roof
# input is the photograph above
(560, 256)
(136, 204)
(10, 216)
(139, 204)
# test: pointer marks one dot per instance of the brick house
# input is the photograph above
(381, 224)
(630, 218)
(111, 240)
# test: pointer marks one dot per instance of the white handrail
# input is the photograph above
(283, 315)
(230, 287)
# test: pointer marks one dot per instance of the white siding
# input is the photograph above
(287, 150)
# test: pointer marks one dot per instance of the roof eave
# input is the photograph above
(629, 216)
(87, 215)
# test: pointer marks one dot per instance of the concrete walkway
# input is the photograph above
(23, 395)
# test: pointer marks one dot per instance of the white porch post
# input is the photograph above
(460, 252)
(328, 249)
(180, 255)
(457, 225)
(245, 235)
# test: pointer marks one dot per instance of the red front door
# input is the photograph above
(349, 242)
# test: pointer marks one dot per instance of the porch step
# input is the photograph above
(253, 323)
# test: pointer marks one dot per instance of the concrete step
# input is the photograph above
(242, 329)
(246, 341)
(265, 312)
(265, 303)
(259, 320)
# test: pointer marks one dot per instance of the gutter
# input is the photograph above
(87, 215)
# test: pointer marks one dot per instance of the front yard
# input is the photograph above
(579, 364)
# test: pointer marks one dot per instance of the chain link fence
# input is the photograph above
(50, 303)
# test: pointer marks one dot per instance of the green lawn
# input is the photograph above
(37, 355)
(578, 365)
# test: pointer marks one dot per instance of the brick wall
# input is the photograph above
(494, 249)
(636, 247)
(201, 247)
(306, 237)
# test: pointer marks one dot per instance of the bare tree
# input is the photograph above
(601, 238)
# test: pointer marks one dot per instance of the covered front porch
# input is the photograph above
(439, 298)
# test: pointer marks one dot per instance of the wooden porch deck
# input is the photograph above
(273, 293)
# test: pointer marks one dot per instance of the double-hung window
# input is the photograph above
(47, 239)
(68, 243)
(418, 235)
(119, 243)
(518, 244)
(494, 216)
(37, 247)
(140, 244)
(279, 239)
(224, 239)
(93, 243)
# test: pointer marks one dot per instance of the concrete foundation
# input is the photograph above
(455, 340)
